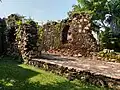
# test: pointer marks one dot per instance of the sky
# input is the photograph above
(39, 10)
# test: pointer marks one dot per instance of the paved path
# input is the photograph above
(109, 69)
(96, 67)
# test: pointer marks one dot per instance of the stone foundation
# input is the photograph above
(75, 73)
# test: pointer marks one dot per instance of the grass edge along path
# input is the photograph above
(15, 76)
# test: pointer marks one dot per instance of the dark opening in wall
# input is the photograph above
(64, 34)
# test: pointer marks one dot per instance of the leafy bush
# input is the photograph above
(109, 55)
(109, 41)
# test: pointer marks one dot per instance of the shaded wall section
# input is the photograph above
(2, 36)
(24, 44)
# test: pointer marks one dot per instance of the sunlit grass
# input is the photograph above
(14, 76)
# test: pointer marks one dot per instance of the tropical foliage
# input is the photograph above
(104, 14)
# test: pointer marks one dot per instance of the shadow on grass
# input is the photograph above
(14, 77)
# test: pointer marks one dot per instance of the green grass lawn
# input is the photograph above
(15, 76)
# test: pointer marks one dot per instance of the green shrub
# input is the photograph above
(109, 55)
(109, 41)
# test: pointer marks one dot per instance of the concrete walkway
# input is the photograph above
(96, 67)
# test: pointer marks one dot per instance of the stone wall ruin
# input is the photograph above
(70, 37)
(27, 41)
(24, 44)
(75, 36)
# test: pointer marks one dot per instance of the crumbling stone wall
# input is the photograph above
(80, 41)
(55, 34)
(51, 35)
(75, 36)
(71, 37)
(25, 42)
(12, 47)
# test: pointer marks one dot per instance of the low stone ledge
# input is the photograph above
(77, 73)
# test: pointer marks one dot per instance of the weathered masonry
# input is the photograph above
(73, 37)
